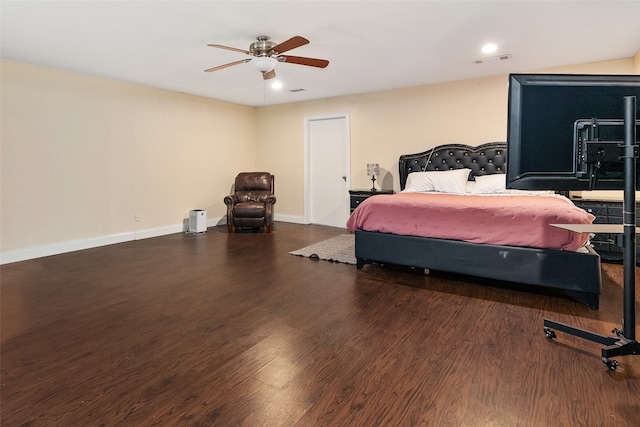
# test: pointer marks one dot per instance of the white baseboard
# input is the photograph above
(289, 218)
(63, 247)
(92, 242)
(8, 257)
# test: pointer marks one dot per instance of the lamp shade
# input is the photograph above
(264, 64)
(373, 169)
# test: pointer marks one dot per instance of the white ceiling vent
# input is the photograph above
(493, 59)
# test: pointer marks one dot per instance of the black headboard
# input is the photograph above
(484, 159)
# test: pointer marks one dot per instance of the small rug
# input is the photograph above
(341, 248)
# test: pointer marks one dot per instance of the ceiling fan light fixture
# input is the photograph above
(264, 64)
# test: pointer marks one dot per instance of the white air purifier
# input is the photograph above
(197, 221)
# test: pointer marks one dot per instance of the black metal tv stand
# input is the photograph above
(623, 342)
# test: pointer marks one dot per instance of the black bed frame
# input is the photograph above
(576, 274)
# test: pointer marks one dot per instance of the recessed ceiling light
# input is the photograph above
(276, 85)
(489, 48)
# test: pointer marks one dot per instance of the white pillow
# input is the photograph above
(490, 184)
(451, 181)
(496, 184)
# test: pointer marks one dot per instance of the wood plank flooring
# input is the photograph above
(231, 330)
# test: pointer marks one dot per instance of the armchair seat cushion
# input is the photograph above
(249, 210)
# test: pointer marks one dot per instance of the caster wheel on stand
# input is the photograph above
(611, 364)
(549, 333)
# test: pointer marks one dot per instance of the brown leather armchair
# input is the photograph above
(251, 204)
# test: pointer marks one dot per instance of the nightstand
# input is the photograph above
(607, 212)
(358, 196)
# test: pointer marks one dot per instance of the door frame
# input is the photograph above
(307, 159)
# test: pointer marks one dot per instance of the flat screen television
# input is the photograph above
(551, 116)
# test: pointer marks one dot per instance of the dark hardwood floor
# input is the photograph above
(229, 330)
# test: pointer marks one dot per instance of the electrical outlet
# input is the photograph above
(138, 217)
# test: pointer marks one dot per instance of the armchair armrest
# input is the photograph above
(269, 199)
(230, 200)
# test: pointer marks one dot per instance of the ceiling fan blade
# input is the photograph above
(292, 43)
(229, 48)
(312, 62)
(231, 64)
(269, 74)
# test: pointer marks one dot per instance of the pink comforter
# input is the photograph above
(511, 220)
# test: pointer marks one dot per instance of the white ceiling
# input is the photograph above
(371, 45)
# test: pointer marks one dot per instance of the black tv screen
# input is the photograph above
(547, 113)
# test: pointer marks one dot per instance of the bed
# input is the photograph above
(560, 260)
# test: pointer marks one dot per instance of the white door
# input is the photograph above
(327, 174)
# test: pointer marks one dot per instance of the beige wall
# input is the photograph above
(384, 125)
(82, 155)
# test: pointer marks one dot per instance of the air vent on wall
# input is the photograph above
(493, 58)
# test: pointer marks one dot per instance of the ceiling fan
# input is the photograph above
(265, 54)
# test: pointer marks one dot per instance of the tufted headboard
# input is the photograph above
(484, 159)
